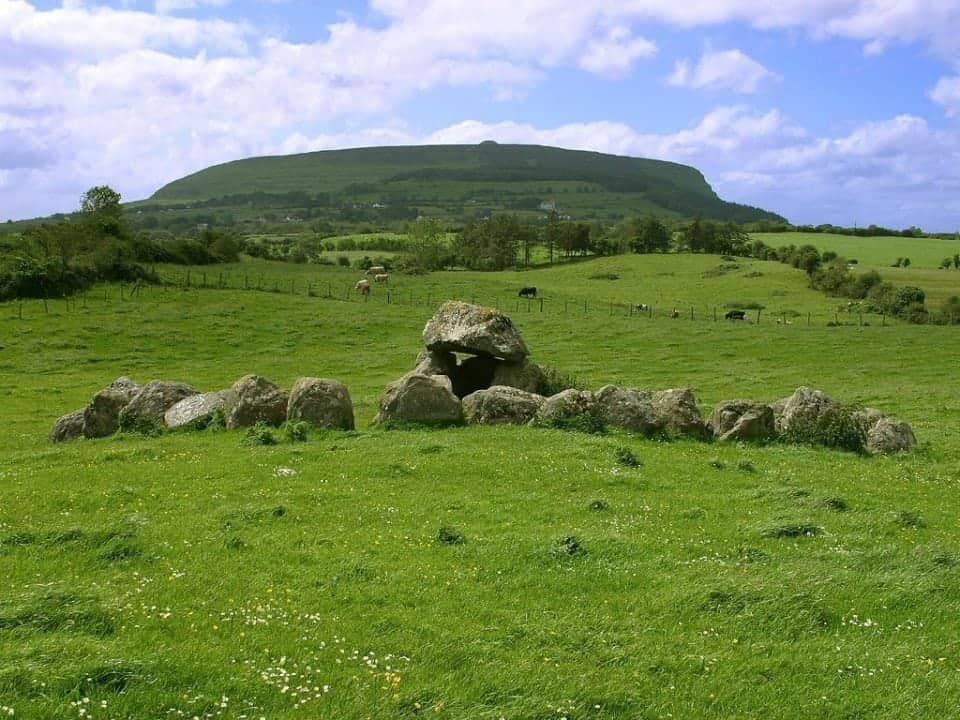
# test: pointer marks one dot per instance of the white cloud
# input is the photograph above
(615, 53)
(722, 70)
(92, 94)
(947, 93)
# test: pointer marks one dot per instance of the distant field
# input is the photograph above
(881, 252)
(701, 284)
(189, 575)
(874, 251)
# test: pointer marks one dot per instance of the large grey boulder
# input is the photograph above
(421, 399)
(677, 414)
(742, 420)
(101, 417)
(803, 408)
(500, 404)
(474, 329)
(321, 402)
(566, 405)
(152, 401)
(523, 375)
(258, 400)
(67, 427)
(889, 436)
(198, 409)
(627, 408)
(435, 362)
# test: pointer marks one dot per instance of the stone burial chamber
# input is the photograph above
(495, 357)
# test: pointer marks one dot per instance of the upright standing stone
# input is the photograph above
(102, 416)
(258, 400)
(321, 402)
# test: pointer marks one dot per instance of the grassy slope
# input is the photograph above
(879, 254)
(457, 174)
(165, 567)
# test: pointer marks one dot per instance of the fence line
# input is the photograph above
(385, 295)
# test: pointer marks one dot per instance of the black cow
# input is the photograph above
(641, 307)
(736, 315)
(528, 292)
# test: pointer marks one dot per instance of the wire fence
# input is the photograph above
(384, 294)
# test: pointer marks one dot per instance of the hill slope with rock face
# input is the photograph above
(460, 181)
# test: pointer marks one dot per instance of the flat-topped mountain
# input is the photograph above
(461, 182)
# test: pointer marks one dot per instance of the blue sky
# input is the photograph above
(841, 111)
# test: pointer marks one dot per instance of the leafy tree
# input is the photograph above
(650, 235)
(492, 244)
(426, 245)
(101, 200)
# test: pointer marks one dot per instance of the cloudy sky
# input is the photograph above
(842, 111)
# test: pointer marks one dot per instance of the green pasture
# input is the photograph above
(474, 572)
(699, 285)
(879, 253)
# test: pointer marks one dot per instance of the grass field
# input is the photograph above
(879, 253)
(191, 576)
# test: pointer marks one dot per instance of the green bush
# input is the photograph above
(259, 434)
(295, 430)
(836, 427)
(556, 381)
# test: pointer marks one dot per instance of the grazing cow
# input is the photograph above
(736, 315)
(528, 292)
(641, 307)
(376, 270)
(381, 277)
(675, 313)
(362, 287)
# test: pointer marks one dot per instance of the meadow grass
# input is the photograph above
(475, 572)
(879, 253)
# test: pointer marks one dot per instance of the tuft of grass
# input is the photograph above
(295, 430)
(447, 535)
(55, 610)
(598, 505)
(568, 546)
(837, 504)
(627, 458)
(792, 530)
(910, 519)
(259, 434)
(556, 381)
(605, 276)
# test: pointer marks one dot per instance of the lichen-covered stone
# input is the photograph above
(67, 427)
(742, 420)
(420, 399)
(258, 400)
(321, 402)
(499, 405)
(101, 417)
(474, 329)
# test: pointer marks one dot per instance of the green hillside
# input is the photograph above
(458, 182)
